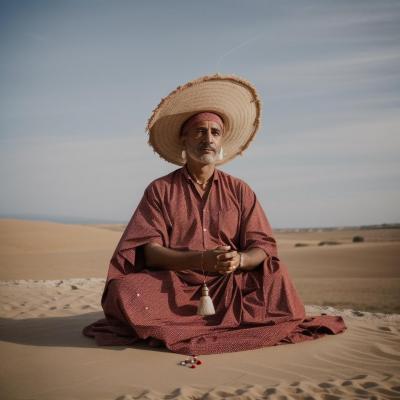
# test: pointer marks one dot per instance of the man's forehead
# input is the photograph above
(206, 124)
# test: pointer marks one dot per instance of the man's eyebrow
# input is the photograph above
(213, 128)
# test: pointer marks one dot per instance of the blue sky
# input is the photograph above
(79, 80)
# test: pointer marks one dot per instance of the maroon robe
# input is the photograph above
(254, 308)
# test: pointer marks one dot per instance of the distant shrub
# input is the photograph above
(301, 244)
(357, 239)
(327, 242)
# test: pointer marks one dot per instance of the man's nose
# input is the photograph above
(209, 136)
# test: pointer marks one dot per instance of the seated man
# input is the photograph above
(197, 269)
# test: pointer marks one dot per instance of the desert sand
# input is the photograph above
(52, 276)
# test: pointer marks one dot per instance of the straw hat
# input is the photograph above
(233, 98)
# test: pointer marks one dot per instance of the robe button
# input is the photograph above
(204, 229)
(146, 308)
(138, 294)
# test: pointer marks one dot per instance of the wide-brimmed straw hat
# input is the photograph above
(231, 97)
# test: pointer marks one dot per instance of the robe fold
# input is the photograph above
(254, 308)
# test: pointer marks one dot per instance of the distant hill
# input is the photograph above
(99, 221)
(335, 228)
(62, 219)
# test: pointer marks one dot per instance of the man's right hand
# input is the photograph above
(210, 257)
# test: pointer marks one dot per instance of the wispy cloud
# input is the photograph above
(328, 75)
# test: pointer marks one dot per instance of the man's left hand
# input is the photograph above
(228, 262)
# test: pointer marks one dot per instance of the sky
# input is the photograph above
(79, 80)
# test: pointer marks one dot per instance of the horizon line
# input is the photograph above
(98, 221)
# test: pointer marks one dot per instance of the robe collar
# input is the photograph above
(189, 178)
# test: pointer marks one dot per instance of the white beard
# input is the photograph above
(204, 158)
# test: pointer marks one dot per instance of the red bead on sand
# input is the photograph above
(198, 362)
(192, 366)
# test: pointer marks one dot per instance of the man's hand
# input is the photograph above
(228, 262)
(221, 259)
(210, 257)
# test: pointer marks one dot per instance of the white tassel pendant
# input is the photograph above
(206, 306)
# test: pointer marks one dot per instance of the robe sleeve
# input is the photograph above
(146, 225)
(255, 229)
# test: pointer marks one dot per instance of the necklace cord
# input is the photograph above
(202, 267)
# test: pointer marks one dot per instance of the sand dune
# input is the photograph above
(44, 304)
(40, 249)
(362, 276)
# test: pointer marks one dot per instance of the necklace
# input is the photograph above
(203, 184)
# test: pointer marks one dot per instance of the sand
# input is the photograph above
(52, 276)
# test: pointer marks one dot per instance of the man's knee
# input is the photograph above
(112, 292)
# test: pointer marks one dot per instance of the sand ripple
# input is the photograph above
(356, 387)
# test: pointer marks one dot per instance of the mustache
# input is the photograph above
(206, 147)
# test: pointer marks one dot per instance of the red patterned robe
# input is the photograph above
(254, 308)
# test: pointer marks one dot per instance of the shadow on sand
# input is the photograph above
(58, 331)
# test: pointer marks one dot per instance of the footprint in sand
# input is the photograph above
(359, 377)
(328, 396)
(391, 329)
(368, 385)
(325, 385)
(358, 313)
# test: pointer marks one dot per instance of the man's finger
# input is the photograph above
(224, 264)
(225, 247)
(227, 256)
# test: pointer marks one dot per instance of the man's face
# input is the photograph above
(202, 141)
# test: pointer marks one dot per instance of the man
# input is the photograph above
(202, 140)
(200, 227)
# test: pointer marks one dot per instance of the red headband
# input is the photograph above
(200, 117)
